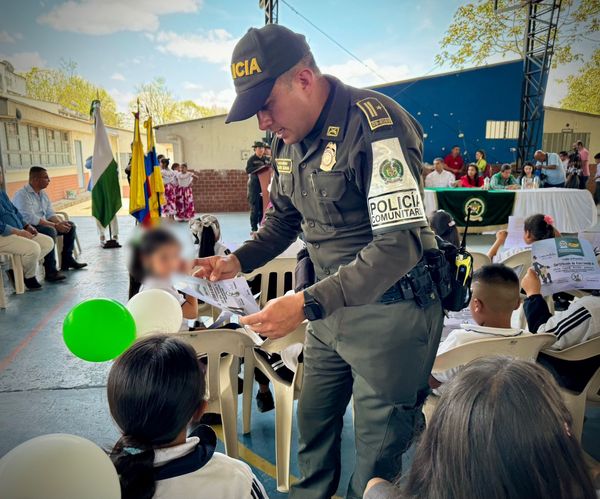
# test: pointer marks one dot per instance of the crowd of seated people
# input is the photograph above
(547, 169)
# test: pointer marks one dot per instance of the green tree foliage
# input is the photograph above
(583, 89)
(158, 100)
(478, 33)
(63, 86)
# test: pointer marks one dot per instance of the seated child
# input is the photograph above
(579, 323)
(155, 392)
(536, 228)
(156, 257)
(495, 295)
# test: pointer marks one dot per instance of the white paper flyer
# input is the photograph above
(565, 263)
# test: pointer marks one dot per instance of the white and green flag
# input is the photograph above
(106, 191)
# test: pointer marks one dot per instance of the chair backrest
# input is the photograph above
(520, 262)
(582, 351)
(479, 259)
(521, 347)
(214, 343)
(273, 278)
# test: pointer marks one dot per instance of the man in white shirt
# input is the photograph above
(552, 167)
(495, 295)
(35, 207)
(439, 177)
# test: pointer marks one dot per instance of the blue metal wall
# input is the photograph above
(461, 103)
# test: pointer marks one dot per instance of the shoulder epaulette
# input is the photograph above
(376, 113)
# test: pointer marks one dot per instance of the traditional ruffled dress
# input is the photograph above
(171, 188)
(185, 196)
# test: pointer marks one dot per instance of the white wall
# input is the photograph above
(209, 143)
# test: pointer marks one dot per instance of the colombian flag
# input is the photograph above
(155, 183)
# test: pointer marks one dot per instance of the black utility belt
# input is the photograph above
(417, 285)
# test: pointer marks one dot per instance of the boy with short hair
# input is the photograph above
(495, 295)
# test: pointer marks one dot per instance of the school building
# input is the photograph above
(37, 133)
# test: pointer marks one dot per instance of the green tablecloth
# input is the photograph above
(487, 207)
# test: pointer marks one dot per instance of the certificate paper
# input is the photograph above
(516, 228)
(231, 295)
(565, 263)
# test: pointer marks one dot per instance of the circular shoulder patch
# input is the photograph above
(391, 170)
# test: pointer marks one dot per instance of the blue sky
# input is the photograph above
(119, 44)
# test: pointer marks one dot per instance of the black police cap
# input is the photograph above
(259, 58)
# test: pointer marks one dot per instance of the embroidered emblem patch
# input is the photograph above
(375, 112)
(284, 165)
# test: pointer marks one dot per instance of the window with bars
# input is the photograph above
(29, 145)
(502, 129)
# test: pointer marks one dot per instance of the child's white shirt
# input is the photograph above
(221, 477)
(468, 333)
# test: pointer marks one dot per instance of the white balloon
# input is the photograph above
(155, 311)
(58, 466)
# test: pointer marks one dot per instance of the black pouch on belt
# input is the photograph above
(422, 285)
(304, 273)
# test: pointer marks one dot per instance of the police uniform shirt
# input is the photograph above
(352, 186)
(253, 165)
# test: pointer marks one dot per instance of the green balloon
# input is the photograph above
(98, 330)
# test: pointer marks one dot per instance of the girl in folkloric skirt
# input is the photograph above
(170, 181)
(185, 196)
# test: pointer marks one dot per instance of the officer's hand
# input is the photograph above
(531, 283)
(279, 317)
(31, 229)
(217, 268)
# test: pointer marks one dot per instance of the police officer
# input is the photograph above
(255, 163)
(347, 167)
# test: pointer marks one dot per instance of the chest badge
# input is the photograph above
(284, 165)
(328, 158)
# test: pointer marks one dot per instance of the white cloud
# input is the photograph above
(6, 37)
(216, 45)
(122, 99)
(190, 85)
(117, 76)
(103, 17)
(216, 98)
(354, 73)
(24, 61)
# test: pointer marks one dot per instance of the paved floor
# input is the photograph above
(44, 389)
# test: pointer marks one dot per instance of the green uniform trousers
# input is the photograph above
(381, 354)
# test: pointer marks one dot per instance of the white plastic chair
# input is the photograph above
(278, 266)
(221, 376)
(16, 263)
(519, 262)
(574, 401)
(285, 394)
(525, 347)
(479, 259)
